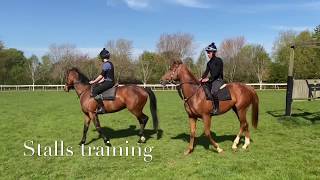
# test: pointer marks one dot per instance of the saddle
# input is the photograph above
(223, 92)
(109, 94)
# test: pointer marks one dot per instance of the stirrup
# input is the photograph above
(101, 110)
(215, 112)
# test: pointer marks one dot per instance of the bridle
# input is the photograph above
(179, 85)
(179, 88)
(72, 86)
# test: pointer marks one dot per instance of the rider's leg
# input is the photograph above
(96, 93)
(214, 91)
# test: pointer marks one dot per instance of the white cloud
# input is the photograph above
(137, 4)
(266, 7)
(192, 3)
(294, 28)
(28, 52)
(236, 7)
(146, 4)
(133, 4)
(90, 51)
(312, 5)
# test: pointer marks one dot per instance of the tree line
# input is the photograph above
(243, 62)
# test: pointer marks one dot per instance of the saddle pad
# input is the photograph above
(223, 93)
(109, 94)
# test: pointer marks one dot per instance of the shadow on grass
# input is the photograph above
(130, 131)
(313, 117)
(204, 141)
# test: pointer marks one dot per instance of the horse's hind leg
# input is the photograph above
(143, 119)
(237, 139)
(96, 122)
(85, 128)
(244, 127)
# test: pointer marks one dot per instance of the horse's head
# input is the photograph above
(173, 73)
(71, 77)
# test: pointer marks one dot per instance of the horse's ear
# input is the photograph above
(176, 61)
(66, 73)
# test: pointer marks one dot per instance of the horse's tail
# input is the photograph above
(255, 108)
(153, 107)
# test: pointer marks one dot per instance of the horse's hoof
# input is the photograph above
(81, 142)
(245, 146)
(107, 143)
(187, 152)
(219, 150)
(142, 139)
(234, 147)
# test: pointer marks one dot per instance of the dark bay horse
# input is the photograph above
(197, 106)
(131, 97)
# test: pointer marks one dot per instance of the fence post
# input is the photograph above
(290, 83)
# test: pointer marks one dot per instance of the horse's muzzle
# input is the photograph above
(163, 82)
(66, 88)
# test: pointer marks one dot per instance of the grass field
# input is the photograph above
(281, 148)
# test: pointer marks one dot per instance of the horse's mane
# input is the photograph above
(191, 75)
(188, 71)
(82, 78)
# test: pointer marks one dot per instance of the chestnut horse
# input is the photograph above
(197, 106)
(131, 97)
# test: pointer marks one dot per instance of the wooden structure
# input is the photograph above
(306, 89)
(309, 44)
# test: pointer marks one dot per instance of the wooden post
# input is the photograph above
(290, 83)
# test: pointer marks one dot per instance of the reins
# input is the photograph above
(179, 89)
(79, 94)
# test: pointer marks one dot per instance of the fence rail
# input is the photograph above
(156, 87)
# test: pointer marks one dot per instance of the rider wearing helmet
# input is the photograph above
(104, 81)
(215, 68)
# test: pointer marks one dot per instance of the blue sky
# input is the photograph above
(32, 25)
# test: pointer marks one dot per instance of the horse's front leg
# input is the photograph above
(207, 132)
(85, 129)
(193, 126)
(96, 122)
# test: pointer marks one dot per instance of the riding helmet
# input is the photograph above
(104, 54)
(212, 47)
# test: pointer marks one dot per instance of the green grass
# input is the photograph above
(281, 148)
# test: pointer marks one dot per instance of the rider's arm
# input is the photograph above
(106, 67)
(206, 72)
(101, 80)
(98, 79)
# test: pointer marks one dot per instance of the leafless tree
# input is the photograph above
(33, 64)
(255, 61)
(201, 63)
(89, 66)
(63, 57)
(260, 62)
(146, 63)
(1, 45)
(121, 51)
(179, 45)
(229, 51)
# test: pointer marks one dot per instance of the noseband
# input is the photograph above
(179, 86)
(75, 83)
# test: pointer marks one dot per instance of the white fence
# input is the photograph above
(157, 87)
